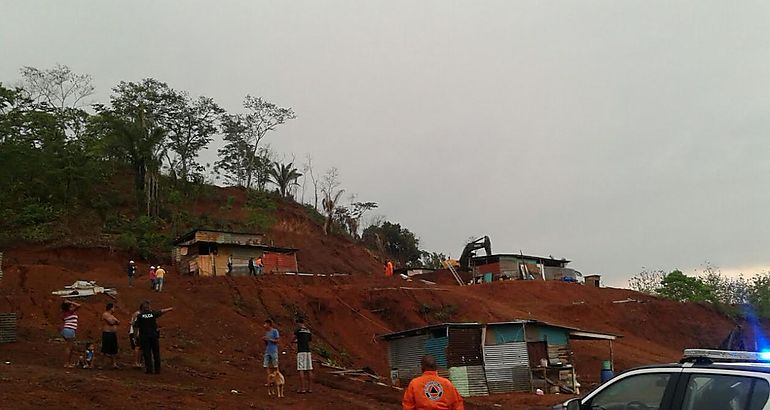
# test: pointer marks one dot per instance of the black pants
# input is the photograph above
(151, 353)
(252, 271)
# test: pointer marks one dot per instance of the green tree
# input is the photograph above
(682, 288)
(134, 141)
(45, 171)
(432, 260)
(134, 128)
(759, 294)
(191, 127)
(396, 242)
(284, 176)
(240, 158)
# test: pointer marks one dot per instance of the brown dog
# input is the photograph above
(275, 382)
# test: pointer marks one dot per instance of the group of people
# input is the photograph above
(302, 337)
(428, 391)
(143, 336)
(157, 276)
(255, 265)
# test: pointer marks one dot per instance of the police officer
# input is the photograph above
(148, 336)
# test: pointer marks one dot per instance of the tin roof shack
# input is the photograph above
(502, 357)
(207, 252)
(521, 267)
(456, 347)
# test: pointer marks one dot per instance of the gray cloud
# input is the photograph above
(616, 134)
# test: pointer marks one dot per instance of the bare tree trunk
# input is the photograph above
(151, 194)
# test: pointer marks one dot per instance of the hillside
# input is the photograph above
(211, 341)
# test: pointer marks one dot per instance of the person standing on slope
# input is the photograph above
(70, 318)
(152, 277)
(252, 267)
(302, 338)
(431, 391)
(133, 339)
(271, 338)
(110, 334)
(149, 336)
(131, 273)
(160, 275)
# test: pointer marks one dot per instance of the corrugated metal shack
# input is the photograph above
(207, 252)
(482, 359)
(520, 267)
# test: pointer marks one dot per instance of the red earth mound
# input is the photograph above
(211, 341)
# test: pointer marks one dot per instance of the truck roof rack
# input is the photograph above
(706, 356)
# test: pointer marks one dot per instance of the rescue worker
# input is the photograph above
(389, 269)
(431, 391)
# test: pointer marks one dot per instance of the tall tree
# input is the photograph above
(238, 162)
(191, 127)
(136, 141)
(243, 135)
(307, 169)
(58, 87)
(61, 92)
(350, 216)
(135, 125)
(398, 243)
(284, 176)
(331, 195)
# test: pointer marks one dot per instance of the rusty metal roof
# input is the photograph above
(575, 333)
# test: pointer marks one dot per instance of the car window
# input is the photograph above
(725, 392)
(638, 392)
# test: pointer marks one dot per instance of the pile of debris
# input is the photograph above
(361, 375)
(83, 288)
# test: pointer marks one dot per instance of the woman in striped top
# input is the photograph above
(70, 317)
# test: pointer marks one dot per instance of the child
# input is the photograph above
(87, 359)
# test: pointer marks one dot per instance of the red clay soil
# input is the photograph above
(211, 341)
(318, 253)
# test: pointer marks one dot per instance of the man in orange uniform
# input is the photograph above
(389, 269)
(431, 391)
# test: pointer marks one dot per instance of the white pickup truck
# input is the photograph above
(703, 380)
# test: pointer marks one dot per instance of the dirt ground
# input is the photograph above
(211, 345)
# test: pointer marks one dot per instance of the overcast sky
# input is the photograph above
(617, 134)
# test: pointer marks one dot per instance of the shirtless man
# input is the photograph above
(109, 334)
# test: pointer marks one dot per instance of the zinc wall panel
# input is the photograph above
(469, 380)
(507, 367)
(459, 377)
(506, 355)
(405, 355)
(500, 380)
(464, 347)
(436, 347)
(521, 378)
(477, 381)
(7, 327)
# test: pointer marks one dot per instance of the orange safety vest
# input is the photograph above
(431, 391)
(389, 269)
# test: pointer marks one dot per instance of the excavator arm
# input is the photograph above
(480, 243)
